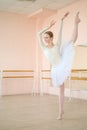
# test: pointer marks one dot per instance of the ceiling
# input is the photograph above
(30, 6)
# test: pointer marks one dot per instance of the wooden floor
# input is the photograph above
(27, 112)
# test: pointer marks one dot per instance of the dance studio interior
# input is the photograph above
(28, 99)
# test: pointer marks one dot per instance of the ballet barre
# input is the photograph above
(12, 74)
(16, 76)
(78, 77)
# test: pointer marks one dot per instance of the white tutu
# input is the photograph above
(60, 72)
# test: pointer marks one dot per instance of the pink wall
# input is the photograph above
(17, 41)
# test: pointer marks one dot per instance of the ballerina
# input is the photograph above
(59, 56)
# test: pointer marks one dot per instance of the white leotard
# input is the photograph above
(52, 54)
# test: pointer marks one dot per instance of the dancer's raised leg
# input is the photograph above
(75, 31)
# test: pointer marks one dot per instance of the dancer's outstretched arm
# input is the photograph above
(75, 31)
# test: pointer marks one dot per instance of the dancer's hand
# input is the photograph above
(65, 15)
(52, 23)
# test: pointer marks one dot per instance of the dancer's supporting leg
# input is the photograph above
(61, 101)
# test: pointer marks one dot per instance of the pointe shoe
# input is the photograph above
(60, 116)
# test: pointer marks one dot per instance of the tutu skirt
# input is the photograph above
(61, 71)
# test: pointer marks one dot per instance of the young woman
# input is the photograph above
(60, 56)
